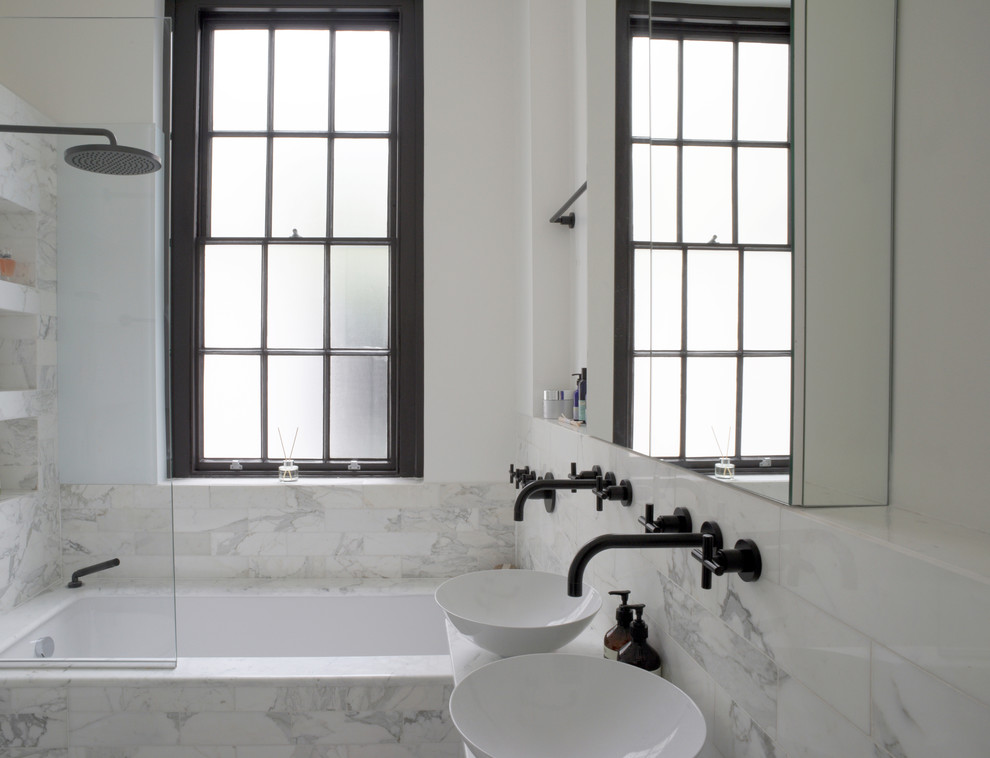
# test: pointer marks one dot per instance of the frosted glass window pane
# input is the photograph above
(664, 197)
(656, 428)
(663, 83)
(763, 195)
(231, 406)
(240, 79)
(763, 91)
(359, 285)
(713, 299)
(358, 407)
(766, 406)
(232, 296)
(360, 188)
(302, 71)
(711, 402)
(657, 300)
(654, 88)
(707, 190)
(237, 187)
(299, 187)
(362, 81)
(295, 400)
(767, 300)
(295, 296)
(707, 89)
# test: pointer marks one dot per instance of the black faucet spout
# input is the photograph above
(91, 570)
(575, 574)
(546, 489)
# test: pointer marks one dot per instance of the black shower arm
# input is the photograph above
(78, 130)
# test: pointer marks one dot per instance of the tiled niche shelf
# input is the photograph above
(20, 308)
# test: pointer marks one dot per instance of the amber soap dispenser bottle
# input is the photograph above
(638, 651)
(619, 635)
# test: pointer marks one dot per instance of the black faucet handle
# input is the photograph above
(679, 522)
(594, 473)
(711, 543)
(743, 559)
(521, 475)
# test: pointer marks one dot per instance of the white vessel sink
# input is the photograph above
(573, 706)
(515, 611)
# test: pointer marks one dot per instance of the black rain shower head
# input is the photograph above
(114, 159)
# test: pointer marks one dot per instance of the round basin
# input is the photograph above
(515, 611)
(574, 706)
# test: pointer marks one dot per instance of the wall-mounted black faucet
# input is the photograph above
(744, 559)
(91, 570)
(520, 475)
(546, 489)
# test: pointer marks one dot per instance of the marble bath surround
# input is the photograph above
(296, 707)
(262, 529)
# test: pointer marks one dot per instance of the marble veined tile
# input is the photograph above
(917, 716)
(930, 614)
(748, 674)
(808, 728)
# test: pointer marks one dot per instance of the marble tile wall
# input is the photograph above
(270, 530)
(227, 720)
(858, 641)
(29, 491)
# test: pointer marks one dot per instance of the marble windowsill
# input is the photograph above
(251, 480)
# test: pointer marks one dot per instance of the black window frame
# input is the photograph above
(683, 21)
(188, 212)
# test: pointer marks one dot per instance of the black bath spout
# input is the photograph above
(575, 574)
(546, 488)
(91, 570)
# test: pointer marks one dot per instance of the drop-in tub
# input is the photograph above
(266, 667)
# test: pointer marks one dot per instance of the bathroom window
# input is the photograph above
(703, 248)
(297, 237)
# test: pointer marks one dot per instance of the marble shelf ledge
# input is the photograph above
(18, 298)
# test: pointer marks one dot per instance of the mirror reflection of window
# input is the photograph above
(709, 245)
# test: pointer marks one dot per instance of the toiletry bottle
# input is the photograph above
(582, 395)
(619, 635)
(638, 651)
(577, 398)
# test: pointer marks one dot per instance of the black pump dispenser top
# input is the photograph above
(639, 630)
(623, 614)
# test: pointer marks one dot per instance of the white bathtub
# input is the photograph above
(109, 629)
(362, 667)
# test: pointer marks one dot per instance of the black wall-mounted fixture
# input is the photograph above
(568, 220)
(91, 570)
(744, 559)
(607, 489)
(679, 522)
(112, 158)
(546, 489)
(521, 475)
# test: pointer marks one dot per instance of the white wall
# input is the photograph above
(941, 419)
(475, 233)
